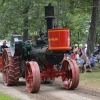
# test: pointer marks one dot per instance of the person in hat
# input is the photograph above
(29, 40)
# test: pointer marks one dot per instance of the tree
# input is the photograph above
(27, 16)
(93, 26)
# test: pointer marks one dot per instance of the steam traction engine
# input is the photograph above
(36, 62)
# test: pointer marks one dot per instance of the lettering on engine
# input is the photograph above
(53, 39)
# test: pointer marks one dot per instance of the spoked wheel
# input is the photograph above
(10, 68)
(32, 76)
(70, 77)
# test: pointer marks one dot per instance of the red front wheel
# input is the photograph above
(70, 77)
(32, 76)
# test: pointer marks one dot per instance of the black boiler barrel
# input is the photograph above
(46, 57)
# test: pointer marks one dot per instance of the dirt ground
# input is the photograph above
(53, 91)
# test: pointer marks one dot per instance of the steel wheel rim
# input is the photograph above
(29, 80)
(10, 66)
(67, 77)
(32, 76)
(5, 63)
(70, 78)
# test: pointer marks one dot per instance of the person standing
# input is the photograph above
(97, 50)
(83, 50)
(3, 45)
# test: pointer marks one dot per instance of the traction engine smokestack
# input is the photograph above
(49, 16)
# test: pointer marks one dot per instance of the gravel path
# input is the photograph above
(53, 91)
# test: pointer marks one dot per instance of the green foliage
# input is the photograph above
(73, 14)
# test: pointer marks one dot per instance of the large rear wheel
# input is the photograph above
(10, 68)
(32, 76)
(70, 77)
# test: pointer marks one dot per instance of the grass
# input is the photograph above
(91, 79)
(6, 97)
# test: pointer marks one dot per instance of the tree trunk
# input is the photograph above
(25, 30)
(93, 26)
(3, 1)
